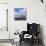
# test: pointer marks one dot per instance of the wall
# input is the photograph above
(3, 1)
(35, 13)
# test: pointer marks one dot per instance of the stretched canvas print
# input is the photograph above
(20, 13)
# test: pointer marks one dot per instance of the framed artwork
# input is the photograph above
(20, 13)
